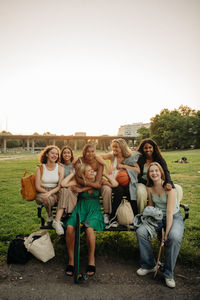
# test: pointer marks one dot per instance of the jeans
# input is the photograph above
(172, 246)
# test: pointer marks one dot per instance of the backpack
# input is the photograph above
(17, 252)
(124, 213)
(28, 190)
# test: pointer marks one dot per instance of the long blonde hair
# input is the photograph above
(126, 151)
(81, 170)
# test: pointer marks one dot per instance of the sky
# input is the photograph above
(94, 65)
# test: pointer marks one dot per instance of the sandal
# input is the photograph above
(69, 270)
(91, 269)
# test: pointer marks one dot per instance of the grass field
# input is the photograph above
(19, 216)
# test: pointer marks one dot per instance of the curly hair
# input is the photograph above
(61, 154)
(126, 151)
(156, 149)
(149, 180)
(43, 154)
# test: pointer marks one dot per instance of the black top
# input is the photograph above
(141, 162)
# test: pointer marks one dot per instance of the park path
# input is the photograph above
(12, 157)
(115, 279)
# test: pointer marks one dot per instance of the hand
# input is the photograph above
(75, 161)
(75, 189)
(55, 196)
(165, 238)
(168, 187)
(120, 166)
(45, 196)
(104, 181)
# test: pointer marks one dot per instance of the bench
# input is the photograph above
(49, 226)
(184, 207)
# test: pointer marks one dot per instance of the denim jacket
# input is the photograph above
(150, 218)
(133, 175)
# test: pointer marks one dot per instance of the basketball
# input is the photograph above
(123, 178)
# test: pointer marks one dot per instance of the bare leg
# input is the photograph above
(91, 247)
(70, 237)
(48, 204)
(59, 214)
(106, 192)
(141, 197)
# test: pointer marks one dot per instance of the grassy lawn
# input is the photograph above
(19, 216)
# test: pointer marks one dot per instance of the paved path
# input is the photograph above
(113, 280)
(12, 157)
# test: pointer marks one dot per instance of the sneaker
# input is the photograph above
(114, 224)
(142, 272)
(57, 225)
(106, 218)
(170, 282)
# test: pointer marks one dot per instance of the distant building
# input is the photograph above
(80, 134)
(131, 129)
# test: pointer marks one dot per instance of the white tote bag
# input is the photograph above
(39, 244)
(124, 213)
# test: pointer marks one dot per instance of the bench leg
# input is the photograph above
(40, 214)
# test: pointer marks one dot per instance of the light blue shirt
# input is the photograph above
(68, 169)
(161, 203)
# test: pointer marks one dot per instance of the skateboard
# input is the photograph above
(160, 251)
(78, 276)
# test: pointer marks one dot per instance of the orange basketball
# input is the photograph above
(123, 178)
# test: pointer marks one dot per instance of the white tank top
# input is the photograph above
(114, 167)
(50, 178)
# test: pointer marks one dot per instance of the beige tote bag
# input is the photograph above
(39, 244)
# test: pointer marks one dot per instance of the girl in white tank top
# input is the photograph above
(50, 178)
(47, 181)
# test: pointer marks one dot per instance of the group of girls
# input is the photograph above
(75, 185)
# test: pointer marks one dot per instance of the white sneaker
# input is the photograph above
(170, 282)
(106, 218)
(142, 272)
(114, 224)
(57, 225)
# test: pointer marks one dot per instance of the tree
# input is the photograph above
(47, 133)
(144, 133)
(186, 111)
(5, 132)
(196, 129)
(177, 128)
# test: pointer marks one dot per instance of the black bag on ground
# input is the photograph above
(17, 252)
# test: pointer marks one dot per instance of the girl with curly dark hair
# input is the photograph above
(151, 153)
(48, 181)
